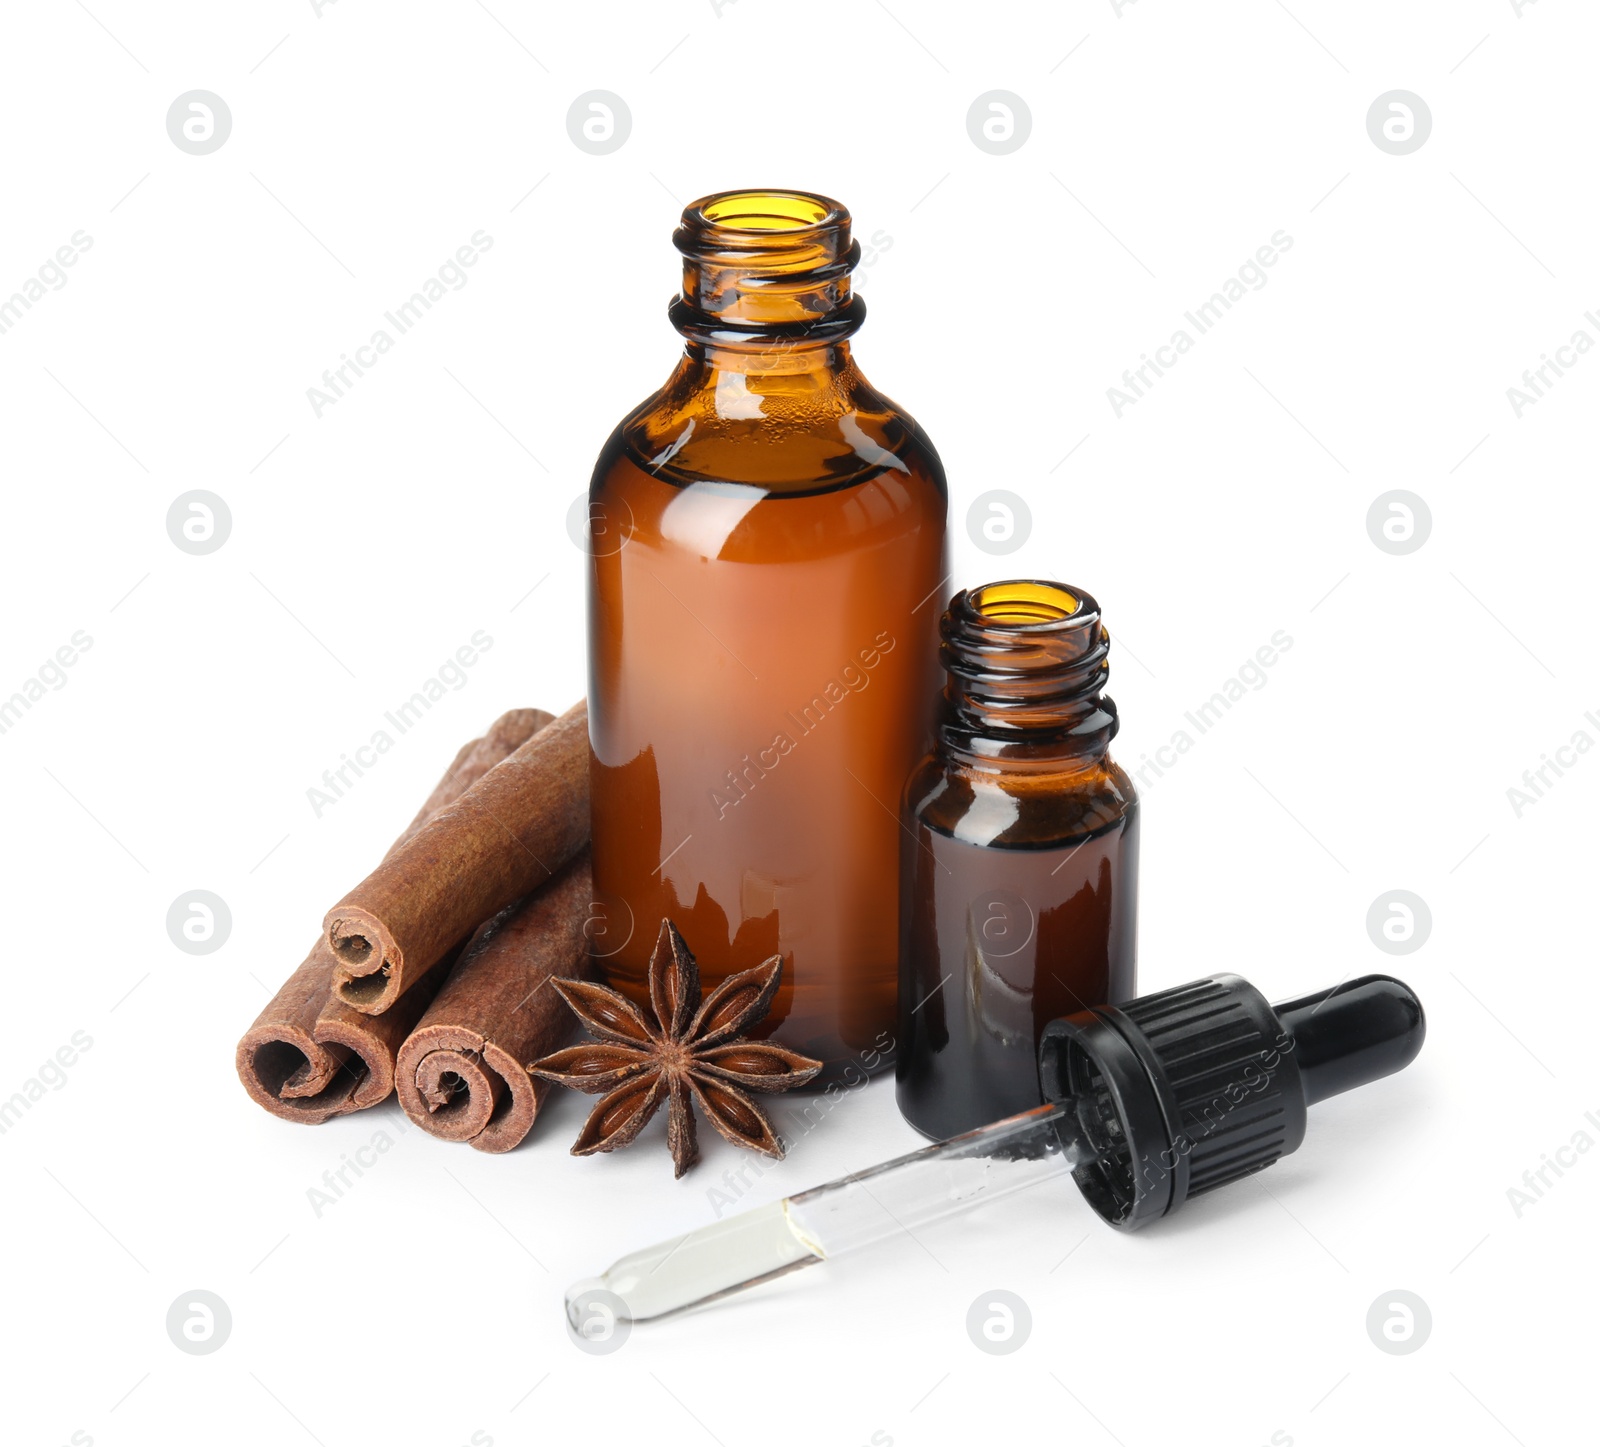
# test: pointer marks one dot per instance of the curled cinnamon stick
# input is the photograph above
(462, 1075)
(503, 838)
(308, 1057)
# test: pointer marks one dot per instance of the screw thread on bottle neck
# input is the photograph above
(766, 271)
(1027, 665)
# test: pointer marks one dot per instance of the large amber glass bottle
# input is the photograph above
(767, 540)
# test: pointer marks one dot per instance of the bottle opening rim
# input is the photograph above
(765, 211)
(1027, 603)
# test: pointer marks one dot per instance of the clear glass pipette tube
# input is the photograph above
(829, 1220)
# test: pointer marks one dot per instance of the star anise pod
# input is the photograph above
(688, 1049)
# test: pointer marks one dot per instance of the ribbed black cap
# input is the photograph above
(1182, 1091)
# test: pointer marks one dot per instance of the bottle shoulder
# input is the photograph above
(1019, 808)
(784, 432)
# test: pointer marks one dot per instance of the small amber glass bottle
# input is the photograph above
(767, 543)
(1019, 871)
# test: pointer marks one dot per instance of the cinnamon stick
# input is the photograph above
(307, 1056)
(462, 1074)
(500, 840)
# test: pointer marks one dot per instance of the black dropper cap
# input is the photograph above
(1178, 1092)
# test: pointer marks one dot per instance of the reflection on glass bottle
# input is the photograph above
(761, 679)
(999, 973)
(1019, 875)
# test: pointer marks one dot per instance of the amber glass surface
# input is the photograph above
(1020, 863)
(767, 549)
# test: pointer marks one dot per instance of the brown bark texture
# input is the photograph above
(308, 1056)
(462, 1074)
(502, 839)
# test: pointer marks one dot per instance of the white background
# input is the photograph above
(1167, 144)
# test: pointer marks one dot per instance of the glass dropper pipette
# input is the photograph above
(1147, 1103)
(829, 1220)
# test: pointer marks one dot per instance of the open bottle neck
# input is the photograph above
(1027, 664)
(767, 274)
(767, 392)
